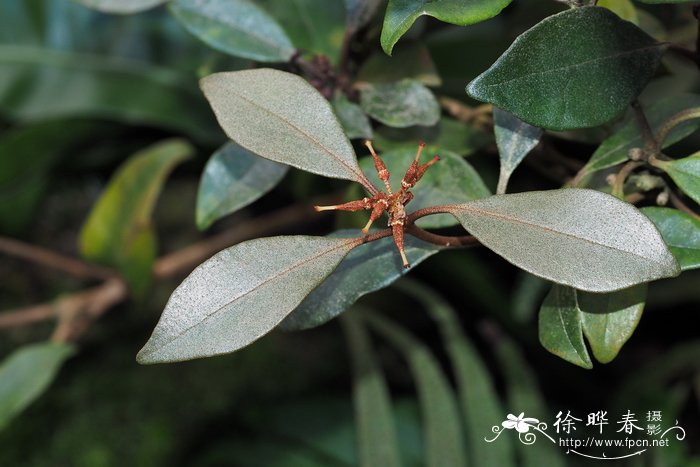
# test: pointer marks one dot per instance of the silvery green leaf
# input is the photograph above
(26, 373)
(610, 319)
(236, 27)
(123, 7)
(232, 179)
(281, 117)
(240, 294)
(515, 139)
(560, 327)
(353, 118)
(401, 104)
(452, 180)
(582, 238)
(366, 269)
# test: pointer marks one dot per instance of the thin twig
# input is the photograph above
(681, 206)
(28, 315)
(651, 143)
(442, 240)
(43, 256)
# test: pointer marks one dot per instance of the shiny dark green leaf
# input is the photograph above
(366, 269)
(442, 430)
(237, 27)
(240, 294)
(123, 7)
(281, 117)
(412, 61)
(610, 319)
(401, 14)
(377, 441)
(118, 231)
(614, 150)
(401, 104)
(26, 373)
(686, 173)
(582, 238)
(515, 139)
(576, 69)
(451, 180)
(681, 232)
(352, 118)
(560, 327)
(38, 84)
(232, 179)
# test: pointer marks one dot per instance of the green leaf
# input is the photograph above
(582, 238)
(614, 150)
(681, 232)
(240, 294)
(576, 69)
(610, 319)
(118, 231)
(360, 12)
(236, 27)
(623, 8)
(515, 139)
(281, 117)
(452, 180)
(26, 373)
(352, 118)
(376, 431)
(366, 269)
(232, 179)
(560, 327)
(316, 27)
(401, 104)
(685, 172)
(667, 1)
(40, 84)
(476, 390)
(401, 14)
(412, 62)
(122, 7)
(448, 135)
(442, 429)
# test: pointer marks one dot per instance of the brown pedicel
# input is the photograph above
(393, 203)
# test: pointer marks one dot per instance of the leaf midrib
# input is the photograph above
(279, 274)
(516, 220)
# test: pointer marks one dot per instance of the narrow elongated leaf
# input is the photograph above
(26, 373)
(315, 27)
(686, 173)
(610, 319)
(376, 431)
(681, 232)
(451, 180)
(442, 428)
(360, 12)
(402, 104)
(524, 395)
(614, 150)
(281, 117)
(123, 7)
(240, 294)
(366, 269)
(39, 84)
(352, 118)
(515, 139)
(237, 27)
(118, 231)
(477, 394)
(232, 179)
(576, 69)
(582, 238)
(401, 14)
(560, 328)
(412, 62)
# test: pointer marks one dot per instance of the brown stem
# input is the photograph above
(651, 143)
(36, 254)
(442, 240)
(618, 188)
(681, 206)
(28, 315)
